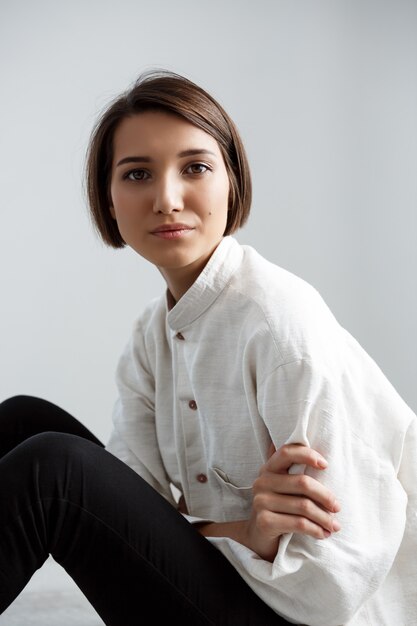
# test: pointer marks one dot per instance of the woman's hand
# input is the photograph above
(289, 503)
(182, 505)
(283, 503)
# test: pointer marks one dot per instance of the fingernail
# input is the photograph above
(321, 462)
(336, 525)
(336, 506)
(326, 533)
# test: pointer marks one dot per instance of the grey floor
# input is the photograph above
(51, 598)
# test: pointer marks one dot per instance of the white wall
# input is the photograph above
(325, 96)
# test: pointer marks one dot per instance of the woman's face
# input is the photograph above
(169, 191)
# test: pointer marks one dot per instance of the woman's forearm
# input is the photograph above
(240, 531)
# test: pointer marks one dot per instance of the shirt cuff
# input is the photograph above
(196, 520)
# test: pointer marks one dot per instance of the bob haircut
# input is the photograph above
(168, 92)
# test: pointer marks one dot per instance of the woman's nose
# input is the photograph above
(168, 197)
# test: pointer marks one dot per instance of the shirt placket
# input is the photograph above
(193, 463)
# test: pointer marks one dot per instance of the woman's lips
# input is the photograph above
(172, 231)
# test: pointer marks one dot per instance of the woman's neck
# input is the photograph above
(179, 280)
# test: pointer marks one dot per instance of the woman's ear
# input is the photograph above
(110, 202)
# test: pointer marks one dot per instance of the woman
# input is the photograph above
(213, 501)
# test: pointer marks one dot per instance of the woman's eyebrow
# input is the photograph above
(146, 159)
(194, 151)
(134, 159)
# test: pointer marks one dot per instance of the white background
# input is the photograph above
(324, 93)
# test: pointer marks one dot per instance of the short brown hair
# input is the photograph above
(169, 92)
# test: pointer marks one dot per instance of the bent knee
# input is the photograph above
(51, 442)
(17, 406)
(52, 456)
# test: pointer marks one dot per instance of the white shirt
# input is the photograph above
(250, 354)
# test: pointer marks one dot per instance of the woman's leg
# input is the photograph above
(24, 416)
(127, 549)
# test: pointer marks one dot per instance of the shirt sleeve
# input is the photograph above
(353, 422)
(133, 439)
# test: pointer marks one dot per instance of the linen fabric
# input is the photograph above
(252, 354)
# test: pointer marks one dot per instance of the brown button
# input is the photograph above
(193, 405)
(202, 478)
(180, 336)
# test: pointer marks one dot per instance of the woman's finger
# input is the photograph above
(290, 454)
(298, 506)
(276, 524)
(271, 450)
(296, 485)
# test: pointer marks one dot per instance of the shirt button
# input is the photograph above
(180, 336)
(202, 478)
(193, 405)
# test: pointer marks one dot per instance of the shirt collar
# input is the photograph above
(209, 285)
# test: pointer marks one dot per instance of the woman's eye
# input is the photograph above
(197, 168)
(136, 175)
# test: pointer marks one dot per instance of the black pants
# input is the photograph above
(128, 550)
